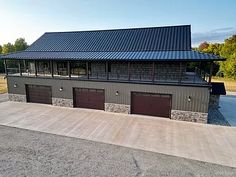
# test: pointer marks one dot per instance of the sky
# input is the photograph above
(210, 20)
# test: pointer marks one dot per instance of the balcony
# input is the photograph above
(146, 72)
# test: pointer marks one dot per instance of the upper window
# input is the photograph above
(60, 68)
(13, 67)
(44, 68)
(78, 69)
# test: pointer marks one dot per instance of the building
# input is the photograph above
(138, 71)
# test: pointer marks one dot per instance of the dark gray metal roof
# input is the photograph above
(134, 39)
(218, 88)
(132, 56)
(156, 43)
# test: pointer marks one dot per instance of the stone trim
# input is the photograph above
(63, 102)
(190, 116)
(118, 108)
(16, 97)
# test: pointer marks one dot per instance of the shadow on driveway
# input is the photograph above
(228, 108)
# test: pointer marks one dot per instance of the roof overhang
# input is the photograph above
(190, 56)
(218, 88)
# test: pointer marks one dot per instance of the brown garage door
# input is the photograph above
(89, 98)
(39, 94)
(151, 104)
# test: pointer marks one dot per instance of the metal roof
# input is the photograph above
(218, 88)
(133, 39)
(132, 56)
(156, 43)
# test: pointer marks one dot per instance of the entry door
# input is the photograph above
(151, 104)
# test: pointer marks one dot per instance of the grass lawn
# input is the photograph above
(230, 84)
(3, 84)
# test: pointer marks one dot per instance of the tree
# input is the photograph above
(20, 44)
(8, 48)
(214, 49)
(203, 46)
(228, 51)
(1, 62)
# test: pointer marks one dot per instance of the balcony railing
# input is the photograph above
(151, 75)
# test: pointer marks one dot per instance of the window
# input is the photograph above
(27, 68)
(78, 69)
(60, 68)
(13, 67)
(43, 68)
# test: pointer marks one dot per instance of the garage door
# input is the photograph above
(151, 104)
(89, 98)
(39, 94)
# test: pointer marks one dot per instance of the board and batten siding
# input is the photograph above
(199, 95)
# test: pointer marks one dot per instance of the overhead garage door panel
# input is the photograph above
(89, 98)
(151, 104)
(39, 94)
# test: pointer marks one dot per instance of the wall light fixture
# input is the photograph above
(117, 93)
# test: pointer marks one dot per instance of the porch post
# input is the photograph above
(180, 72)
(107, 73)
(68, 69)
(129, 70)
(35, 68)
(211, 70)
(87, 69)
(19, 66)
(51, 64)
(153, 71)
(5, 66)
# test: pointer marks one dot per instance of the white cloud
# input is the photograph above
(215, 35)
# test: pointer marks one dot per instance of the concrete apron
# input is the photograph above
(208, 143)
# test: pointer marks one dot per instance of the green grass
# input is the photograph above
(230, 84)
(3, 85)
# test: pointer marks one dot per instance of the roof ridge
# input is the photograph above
(118, 29)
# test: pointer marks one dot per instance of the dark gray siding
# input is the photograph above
(180, 94)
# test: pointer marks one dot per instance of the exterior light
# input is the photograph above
(189, 98)
(117, 93)
(61, 89)
(15, 85)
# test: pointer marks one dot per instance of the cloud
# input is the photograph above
(215, 35)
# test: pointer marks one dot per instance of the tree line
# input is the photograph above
(226, 50)
(19, 45)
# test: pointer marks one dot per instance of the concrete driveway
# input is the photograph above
(209, 143)
(228, 107)
(3, 97)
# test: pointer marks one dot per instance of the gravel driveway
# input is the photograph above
(30, 153)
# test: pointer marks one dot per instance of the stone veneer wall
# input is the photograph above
(214, 101)
(118, 108)
(189, 116)
(138, 70)
(17, 97)
(62, 102)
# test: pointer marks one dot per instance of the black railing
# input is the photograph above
(149, 74)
